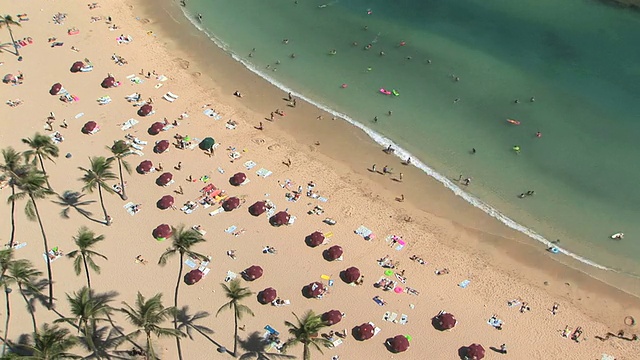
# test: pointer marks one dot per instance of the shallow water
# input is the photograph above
(579, 59)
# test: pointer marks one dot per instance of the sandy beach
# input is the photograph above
(499, 269)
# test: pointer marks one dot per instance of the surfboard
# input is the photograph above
(514, 122)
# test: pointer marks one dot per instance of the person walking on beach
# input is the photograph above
(554, 309)
(294, 103)
(503, 349)
(401, 176)
(373, 168)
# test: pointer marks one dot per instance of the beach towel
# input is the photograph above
(271, 330)
(404, 319)
(79, 115)
(495, 322)
(400, 245)
(363, 231)
(323, 199)
(325, 277)
(190, 263)
(17, 246)
(263, 172)
(129, 124)
(386, 315)
(393, 317)
(249, 165)
(212, 114)
(216, 211)
(378, 301)
(464, 284)
(336, 342)
(230, 276)
(230, 229)
(158, 85)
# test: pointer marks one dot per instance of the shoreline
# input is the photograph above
(465, 206)
(501, 262)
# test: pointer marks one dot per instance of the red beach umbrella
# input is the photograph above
(108, 82)
(446, 321)
(193, 277)
(164, 179)
(475, 352)
(267, 295)
(252, 273)
(89, 127)
(55, 89)
(145, 110)
(155, 128)
(364, 331)
(280, 218)
(315, 239)
(314, 290)
(398, 343)
(76, 66)
(231, 203)
(145, 167)
(162, 232)
(332, 317)
(333, 253)
(258, 208)
(161, 146)
(351, 275)
(238, 179)
(165, 202)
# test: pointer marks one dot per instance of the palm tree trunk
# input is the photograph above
(30, 307)
(13, 40)
(123, 195)
(305, 352)
(235, 330)
(104, 209)
(86, 271)
(149, 353)
(6, 324)
(46, 252)
(13, 214)
(46, 177)
(175, 304)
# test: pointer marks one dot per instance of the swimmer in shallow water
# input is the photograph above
(200, 17)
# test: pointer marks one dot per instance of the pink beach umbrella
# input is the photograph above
(253, 272)
(155, 128)
(165, 202)
(145, 110)
(193, 276)
(280, 219)
(333, 253)
(145, 167)
(161, 146)
(76, 66)
(89, 127)
(351, 275)
(267, 295)
(55, 89)
(258, 208)
(315, 239)
(238, 179)
(398, 343)
(475, 352)
(332, 317)
(364, 332)
(231, 204)
(164, 179)
(108, 82)
(162, 231)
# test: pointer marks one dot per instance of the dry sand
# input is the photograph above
(500, 264)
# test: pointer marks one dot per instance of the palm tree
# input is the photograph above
(96, 177)
(87, 309)
(31, 185)
(85, 240)
(11, 168)
(6, 257)
(306, 332)
(51, 343)
(235, 293)
(42, 147)
(120, 150)
(73, 200)
(147, 317)
(22, 273)
(183, 240)
(7, 21)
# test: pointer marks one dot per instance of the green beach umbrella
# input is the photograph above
(207, 143)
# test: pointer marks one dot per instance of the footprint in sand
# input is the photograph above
(348, 211)
(274, 147)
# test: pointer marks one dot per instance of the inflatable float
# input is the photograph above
(617, 236)
(385, 91)
(395, 92)
(553, 250)
(514, 122)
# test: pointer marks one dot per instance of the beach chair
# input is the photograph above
(249, 165)
(271, 330)
(292, 219)
(335, 342)
(170, 97)
(392, 317)
(404, 318)
(205, 270)
(140, 142)
(230, 276)
(364, 232)
(199, 231)
(216, 211)
(190, 263)
(376, 329)
(464, 284)
(386, 316)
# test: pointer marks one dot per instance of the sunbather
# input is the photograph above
(231, 254)
(442, 272)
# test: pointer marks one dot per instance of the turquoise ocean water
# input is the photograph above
(580, 60)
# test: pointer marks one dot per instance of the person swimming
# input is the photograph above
(200, 17)
(333, 52)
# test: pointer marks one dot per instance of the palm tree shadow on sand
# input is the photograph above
(256, 348)
(73, 200)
